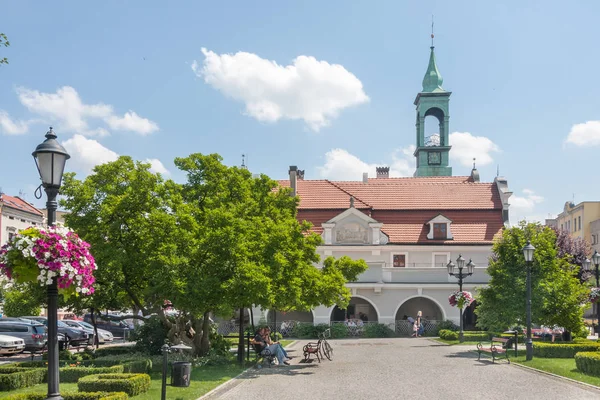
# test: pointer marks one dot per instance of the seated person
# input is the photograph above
(260, 345)
(270, 342)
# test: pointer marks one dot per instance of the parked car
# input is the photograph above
(11, 345)
(75, 336)
(116, 327)
(33, 333)
(103, 335)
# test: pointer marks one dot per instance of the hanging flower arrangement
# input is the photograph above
(594, 295)
(460, 299)
(41, 254)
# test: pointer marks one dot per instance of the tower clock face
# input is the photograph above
(434, 158)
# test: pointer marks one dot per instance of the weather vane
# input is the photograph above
(432, 36)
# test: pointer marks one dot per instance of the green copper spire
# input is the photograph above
(432, 82)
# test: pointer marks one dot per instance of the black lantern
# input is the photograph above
(460, 263)
(528, 252)
(50, 158)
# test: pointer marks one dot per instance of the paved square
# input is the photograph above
(397, 369)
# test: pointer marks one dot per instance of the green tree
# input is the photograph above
(557, 294)
(19, 301)
(4, 42)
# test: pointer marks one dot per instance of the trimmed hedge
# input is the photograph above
(12, 378)
(378, 331)
(132, 384)
(588, 362)
(114, 351)
(72, 374)
(476, 337)
(71, 396)
(140, 366)
(562, 350)
(447, 334)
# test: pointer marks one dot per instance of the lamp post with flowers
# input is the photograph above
(53, 257)
(460, 298)
(528, 252)
(586, 266)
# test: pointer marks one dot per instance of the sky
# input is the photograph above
(327, 86)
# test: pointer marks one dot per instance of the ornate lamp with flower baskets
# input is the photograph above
(460, 298)
(595, 292)
(54, 257)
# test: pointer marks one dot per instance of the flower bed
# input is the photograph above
(71, 396)
(588, 362)
(44, 254)
(562, 350)
(132, 384)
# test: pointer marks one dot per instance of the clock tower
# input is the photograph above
(432, 152)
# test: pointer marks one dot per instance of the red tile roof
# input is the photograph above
(18, 204)
(405, 205)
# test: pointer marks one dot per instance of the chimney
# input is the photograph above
(383, 172)
(293, 178)
(365, 177)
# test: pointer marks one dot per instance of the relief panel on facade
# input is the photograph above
(352, 233)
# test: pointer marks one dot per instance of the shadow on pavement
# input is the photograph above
(277, 370)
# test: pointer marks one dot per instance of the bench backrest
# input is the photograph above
(503, 340)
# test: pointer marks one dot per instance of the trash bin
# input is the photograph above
(180, 374)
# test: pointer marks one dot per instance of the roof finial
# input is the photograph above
(432, 31)
(474, 162)
(351, 201)
(498, 170)
(244, 161)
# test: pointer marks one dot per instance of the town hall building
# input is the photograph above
(406, 229)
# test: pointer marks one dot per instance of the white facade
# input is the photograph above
(15, 215)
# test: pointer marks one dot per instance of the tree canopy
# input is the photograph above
(557, 294)
(4, 42)
(220, 241)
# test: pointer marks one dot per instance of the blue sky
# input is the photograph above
(328, 86)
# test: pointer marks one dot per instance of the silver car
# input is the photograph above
(33, 334)
(103, 335)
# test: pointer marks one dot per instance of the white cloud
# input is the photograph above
(11, 127)
(525, 203)
(307, 89)
(343, 166)
(66, 108)
(157, 166)
(87, 153)
(586, 134)
(132, 122)
(465, 147)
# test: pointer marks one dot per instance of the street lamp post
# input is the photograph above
(528, 251)
(586, 266)
(460, 263)
(50, 158)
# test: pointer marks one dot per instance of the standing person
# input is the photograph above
(419, 323)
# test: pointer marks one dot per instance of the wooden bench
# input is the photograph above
(312, 348)
(497, 347)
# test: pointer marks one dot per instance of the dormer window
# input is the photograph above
(439, 228)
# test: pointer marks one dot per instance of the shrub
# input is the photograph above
(588, 362)
(476, 337)
(114, 351)
(72, 374)
(12, 378)
(378, 331)
(562, 350)
(132, 384)
(447, 334)
(338, 331)
(150, 336)
(71, 396)
(444, 325)
(276, 336)
(306, 330)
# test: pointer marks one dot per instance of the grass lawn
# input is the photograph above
(453, 342)
(204, 379)
(558, 366)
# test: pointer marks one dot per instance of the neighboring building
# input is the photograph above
(16, 214)
(406, 229)
(580, 220)
(60, 216)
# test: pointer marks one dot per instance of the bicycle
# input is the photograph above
(327, 349)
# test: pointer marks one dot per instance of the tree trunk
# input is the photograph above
(240, 354)
(205, 341)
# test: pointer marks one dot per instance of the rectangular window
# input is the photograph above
(561, 226)
(11, 235)
(579, 222)
(399, 260)
(439, 231)
(440, 260)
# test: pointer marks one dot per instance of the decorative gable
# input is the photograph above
(353, 227)
(440, 228)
